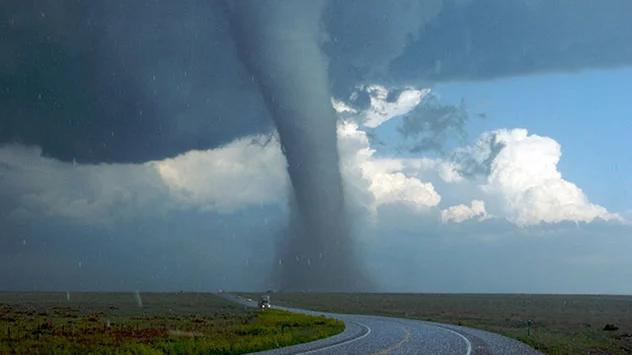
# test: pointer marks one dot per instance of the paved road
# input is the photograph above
(371, 335)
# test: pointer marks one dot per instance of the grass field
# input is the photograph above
(154, 323)
(561, 324)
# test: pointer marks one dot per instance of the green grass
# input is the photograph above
(167, 323)
(562, 324)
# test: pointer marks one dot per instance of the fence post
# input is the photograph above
(529, 322)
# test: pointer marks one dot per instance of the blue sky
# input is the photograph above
(588, 113)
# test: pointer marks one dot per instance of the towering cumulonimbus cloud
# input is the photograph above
(120, 81)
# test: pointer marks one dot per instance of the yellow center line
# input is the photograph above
(396, 346)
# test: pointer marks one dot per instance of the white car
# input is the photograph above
(264, 302)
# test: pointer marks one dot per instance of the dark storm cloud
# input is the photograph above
(487, 39)
(179, 251)
(121, 81)
(477, 161)
(137, 81)
(431, 123)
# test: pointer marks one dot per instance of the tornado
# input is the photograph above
(278, 41)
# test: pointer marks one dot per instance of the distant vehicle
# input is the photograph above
(264, 302)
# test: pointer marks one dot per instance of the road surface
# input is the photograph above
(372, 335)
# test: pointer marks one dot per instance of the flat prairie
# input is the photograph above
(147, 323)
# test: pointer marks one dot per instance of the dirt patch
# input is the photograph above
(181, 333)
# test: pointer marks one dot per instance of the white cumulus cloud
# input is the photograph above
(381, 177)
(522, 172)
(462, 213)
(380, 108)
(248, 171)
(509, 174)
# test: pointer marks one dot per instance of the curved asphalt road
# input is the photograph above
(372, 335)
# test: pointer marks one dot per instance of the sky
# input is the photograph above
(473, 157)
(578, 109)
(168, 223)
(587, 113)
